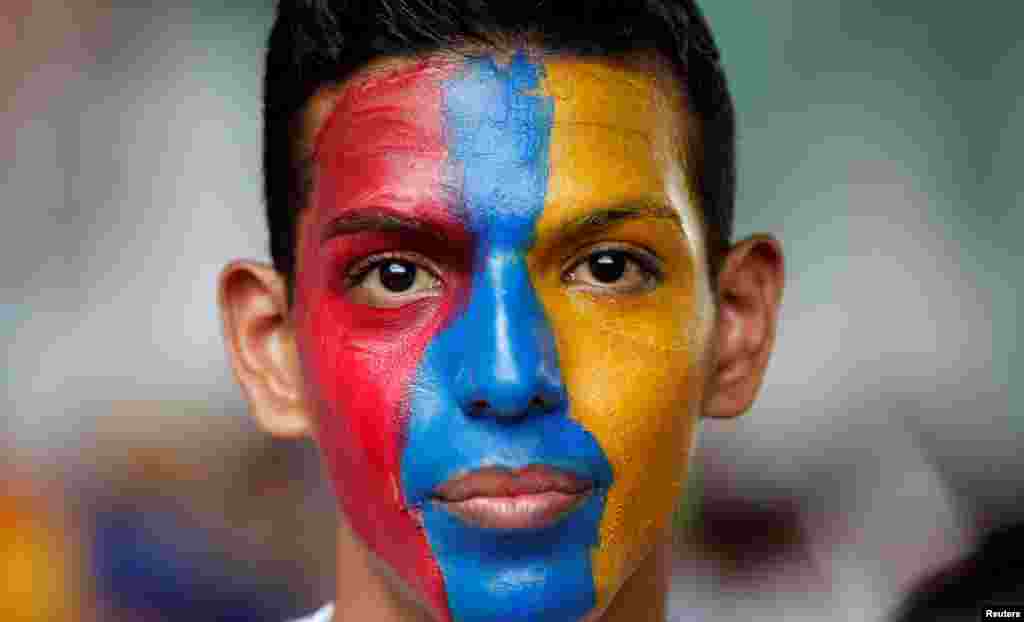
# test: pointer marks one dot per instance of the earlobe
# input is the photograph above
(749, 292)
(260, 343)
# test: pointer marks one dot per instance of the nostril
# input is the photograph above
(538, 404)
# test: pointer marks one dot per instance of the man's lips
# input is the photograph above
(533, 497)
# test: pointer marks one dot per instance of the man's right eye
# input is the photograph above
(392, 281)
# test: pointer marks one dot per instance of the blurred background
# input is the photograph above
(880, 140)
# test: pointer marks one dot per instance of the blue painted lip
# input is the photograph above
(536, 522)
(529, 499)
(549, 441)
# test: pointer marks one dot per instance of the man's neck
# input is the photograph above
(366, 589)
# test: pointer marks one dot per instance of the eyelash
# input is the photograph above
(358, 272)
(645, 260)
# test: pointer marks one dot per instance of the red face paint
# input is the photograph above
(383, 150)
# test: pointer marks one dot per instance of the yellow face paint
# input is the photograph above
(632, 360)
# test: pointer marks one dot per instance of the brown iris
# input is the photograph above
(608, 266)
(396, 275)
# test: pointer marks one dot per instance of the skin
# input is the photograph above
(502, 181)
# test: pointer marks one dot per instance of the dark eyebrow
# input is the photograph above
(601, 219)
(379, 220)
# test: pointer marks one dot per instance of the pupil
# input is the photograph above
(608, 266)
(397, 276)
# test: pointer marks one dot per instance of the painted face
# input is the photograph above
(501, 312)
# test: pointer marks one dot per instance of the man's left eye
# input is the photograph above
(615, 271)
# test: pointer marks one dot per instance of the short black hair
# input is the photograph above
(315, 43)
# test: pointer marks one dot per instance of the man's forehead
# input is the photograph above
(613, 130)
(602, 93)
(613, 93)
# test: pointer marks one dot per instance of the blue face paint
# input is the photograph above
(500, 351)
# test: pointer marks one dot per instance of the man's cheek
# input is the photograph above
(356, 408)
(358, 362)
(632, 379)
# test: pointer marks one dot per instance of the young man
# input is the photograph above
(502, 294)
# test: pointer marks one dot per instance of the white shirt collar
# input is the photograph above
(323, 615)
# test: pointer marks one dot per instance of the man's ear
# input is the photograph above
(749, 291)
(260, 341)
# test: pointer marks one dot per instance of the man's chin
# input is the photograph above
(546, 598)
(413, 603)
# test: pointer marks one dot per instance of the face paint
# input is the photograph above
(500, 351)
(631, 362)
(380, 157)
(494, 172)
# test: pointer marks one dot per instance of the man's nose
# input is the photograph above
(509, 365)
